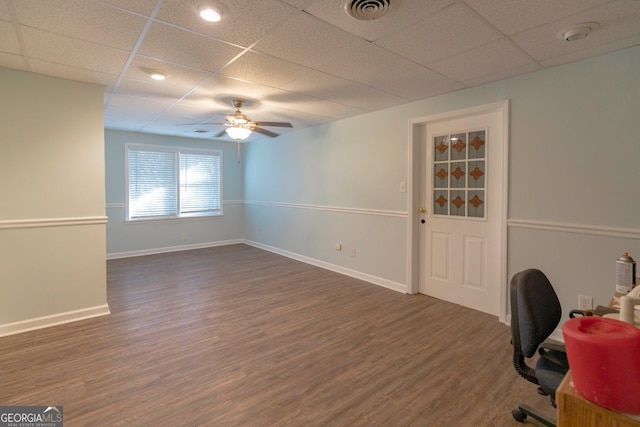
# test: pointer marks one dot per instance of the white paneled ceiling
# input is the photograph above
(302, 61)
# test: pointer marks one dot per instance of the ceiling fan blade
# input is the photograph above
(219, 134)
(265, 132)
(275, 124)
(200, 124)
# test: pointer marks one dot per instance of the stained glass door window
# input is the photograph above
(459, 174)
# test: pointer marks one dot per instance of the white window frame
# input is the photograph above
(177, 151)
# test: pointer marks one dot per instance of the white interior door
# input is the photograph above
(461, 205)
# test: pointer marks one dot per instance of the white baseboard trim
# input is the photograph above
(53, 320)
(395, 286)
(153, 251)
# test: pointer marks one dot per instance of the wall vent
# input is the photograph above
(367, 10)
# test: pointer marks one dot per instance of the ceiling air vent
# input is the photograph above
(367, 10)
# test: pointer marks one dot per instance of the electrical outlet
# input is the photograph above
(353, 252)
(338, 246)
(585, 302)
(183, 236)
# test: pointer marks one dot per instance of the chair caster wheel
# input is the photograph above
(518, 415)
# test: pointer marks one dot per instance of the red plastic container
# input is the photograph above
(604, 358)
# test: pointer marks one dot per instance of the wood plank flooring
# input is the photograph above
(236, 336)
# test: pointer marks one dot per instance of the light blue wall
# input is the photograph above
(133, 238)
(574, 159)
(349, 172)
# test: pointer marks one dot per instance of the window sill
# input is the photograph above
(173, 218)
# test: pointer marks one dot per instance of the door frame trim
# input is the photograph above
(413, 190)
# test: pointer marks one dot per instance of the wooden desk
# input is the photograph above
(575, 411)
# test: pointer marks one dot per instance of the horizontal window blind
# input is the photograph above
(170, 183)
(199, 183)
(152, 184)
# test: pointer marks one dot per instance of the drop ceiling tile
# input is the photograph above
(263, 69)
(366, 98)
(436, 38)
(165, 125)
(374, 66)
(318, 84)
(10, 60)
(72, 73)
(414, 82)
(122, 119)
(187, 48)
(243, 22)
(221, 91)
(321, 85)
(150, 90)
(87, 20)
(144, 7)
(133, 111)
(4, 11)
(618, 20)
(304, 40)
(493, 58)
(265, 113)
(8, 39)
(400, 16)
(591, 52)
(324, 108)
(200, 106)
(514, 16)
(177, 76)
(504, 74)
(177, 116)
(359, 61)
(297, 3)
(282, 99)
(72, 52)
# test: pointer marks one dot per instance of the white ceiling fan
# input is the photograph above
(239, 126)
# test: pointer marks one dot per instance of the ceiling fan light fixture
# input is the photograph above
(210, 13)
(238, 118)
(238, 132)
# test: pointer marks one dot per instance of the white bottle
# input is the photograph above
(625, 274)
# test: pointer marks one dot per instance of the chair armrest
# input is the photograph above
(554, 352)
(580, 313)
(553, 345)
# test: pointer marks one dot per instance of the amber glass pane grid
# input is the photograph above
(459, 169)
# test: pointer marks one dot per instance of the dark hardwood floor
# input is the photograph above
(236, 336)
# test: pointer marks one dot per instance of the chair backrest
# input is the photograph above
(535, 310)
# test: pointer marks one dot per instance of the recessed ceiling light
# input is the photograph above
(577, 32)
(157, 75)
(210, 13)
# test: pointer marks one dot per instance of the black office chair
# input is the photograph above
(535, 313)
